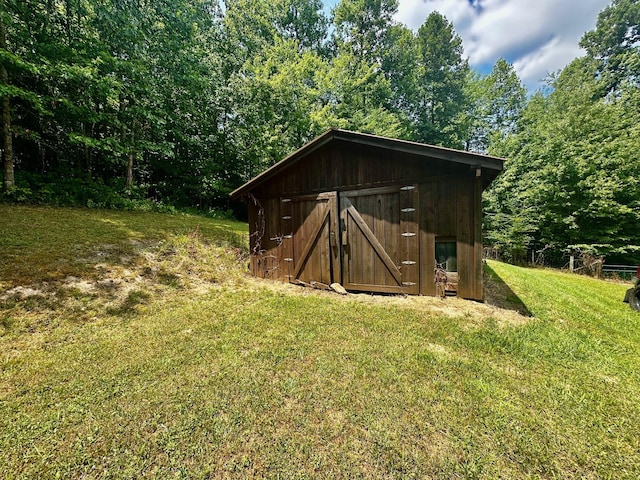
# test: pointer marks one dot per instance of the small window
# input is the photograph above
(446, 254)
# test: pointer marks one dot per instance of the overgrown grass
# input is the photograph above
(232, 377)
(40, 243)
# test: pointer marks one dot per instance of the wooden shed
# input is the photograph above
(372, 213)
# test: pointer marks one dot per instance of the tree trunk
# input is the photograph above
(129, 180)
(7, 140)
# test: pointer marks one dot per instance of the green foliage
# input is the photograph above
(363, 25)
(615, 44)
(571, 175)
(68, 189)
(188, 100)
(570, 170)
(440, 80)
(494, 105)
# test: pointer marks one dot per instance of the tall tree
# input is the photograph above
(494, 104)
(362, 26)
(399, 68)
(21, 68)
(505, 99)
(355, 95)
(440, 83)
(7, 140)
(302, 21)
(569, 181)
(359, 92)
(615, 44)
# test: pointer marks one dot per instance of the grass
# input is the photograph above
(216, 375)
(45, 244)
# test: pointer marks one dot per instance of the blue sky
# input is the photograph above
(538, 36)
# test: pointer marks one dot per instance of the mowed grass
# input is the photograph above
(230, 377)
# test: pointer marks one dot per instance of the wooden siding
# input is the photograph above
(315, 251)
(452, 209)
(344, 214)
(342, 166)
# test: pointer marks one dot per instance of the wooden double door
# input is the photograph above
(367, 240)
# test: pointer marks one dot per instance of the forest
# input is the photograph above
(171, 104)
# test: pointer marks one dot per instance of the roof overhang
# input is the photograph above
(473, 160)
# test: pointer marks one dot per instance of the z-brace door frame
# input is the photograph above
(404, 243)
(296, 250)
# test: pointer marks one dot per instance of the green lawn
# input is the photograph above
(189, 369)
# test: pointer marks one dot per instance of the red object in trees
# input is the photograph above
(638, 272)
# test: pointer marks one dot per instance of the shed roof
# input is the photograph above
(486, 162)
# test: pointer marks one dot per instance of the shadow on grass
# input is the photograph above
(498, 293)
(128, 306)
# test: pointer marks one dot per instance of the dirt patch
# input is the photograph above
(113, 284)
(472, 312)
(22, 292)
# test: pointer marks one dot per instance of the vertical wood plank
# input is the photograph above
(254, 231)
(379, 232)
(477, 292)
(463, 234)
(369, 258)
(445, 208)
(286, 230)
(319, 250)
(271, 265)
(355, 251)
(325, 254)
(311, 224)
(343, 234)
(356, 246)
(334, 239)
(305, 219)
(311, 221)
(297, 237)
(394, 233)
(408, 248)
(427, 239)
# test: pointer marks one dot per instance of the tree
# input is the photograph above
(274, 80)
(7, 140)
(572, 162)
(363, 25)
(440, 83)
(355, 93)
(399, 68)
(569, 180)
(281, 88)
(302, 21)
(615, 44)
(18, 68)
(494, 104)
(505, 99)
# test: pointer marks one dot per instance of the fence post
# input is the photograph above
(571, 264)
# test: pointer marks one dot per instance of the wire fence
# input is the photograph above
(580, 264)
(624, 272)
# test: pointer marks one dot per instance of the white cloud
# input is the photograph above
(538, 37)
(551, 57)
